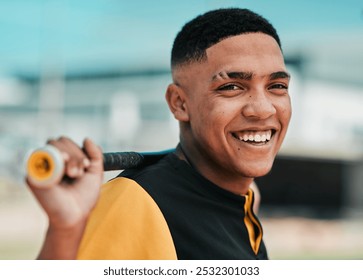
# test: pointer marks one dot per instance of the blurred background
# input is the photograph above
(99, 69)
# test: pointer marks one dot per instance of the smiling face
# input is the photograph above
(234, 109)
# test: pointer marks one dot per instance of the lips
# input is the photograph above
(254, 136)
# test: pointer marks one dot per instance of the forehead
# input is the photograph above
(253, 52)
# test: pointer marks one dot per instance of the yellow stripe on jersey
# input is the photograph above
(126, 224)
(251, 223)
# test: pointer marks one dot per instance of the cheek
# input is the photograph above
(288, 112)
(216, 113)
(284, 111)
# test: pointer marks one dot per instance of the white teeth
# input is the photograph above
(255, 136)
(268, 135)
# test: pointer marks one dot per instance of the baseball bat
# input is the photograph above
(45, 166)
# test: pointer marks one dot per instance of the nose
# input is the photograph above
(258, 106)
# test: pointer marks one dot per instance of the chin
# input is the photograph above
(257, 171)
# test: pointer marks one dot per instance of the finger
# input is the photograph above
(74, 157)
(94, 154)
(76, 164)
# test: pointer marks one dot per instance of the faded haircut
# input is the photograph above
(212, 27)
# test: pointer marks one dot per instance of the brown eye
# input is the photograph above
(229, 87)
(278, 88)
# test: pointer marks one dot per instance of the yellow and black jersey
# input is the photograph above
(167, 210)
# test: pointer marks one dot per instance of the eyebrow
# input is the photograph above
(247, 76)
(234, 75)
(279, 75)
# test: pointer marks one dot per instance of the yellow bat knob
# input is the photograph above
(45, 167)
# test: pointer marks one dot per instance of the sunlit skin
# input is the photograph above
(240, 88)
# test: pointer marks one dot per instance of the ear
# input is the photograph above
(175, 96)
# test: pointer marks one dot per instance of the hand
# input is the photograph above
(71, 200)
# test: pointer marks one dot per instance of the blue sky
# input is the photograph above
(78, 35)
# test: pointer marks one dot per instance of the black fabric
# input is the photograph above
(206, 221)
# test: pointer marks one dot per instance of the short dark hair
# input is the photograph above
(212, 27)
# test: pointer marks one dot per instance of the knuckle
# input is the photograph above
(50, 141)
(63, 139)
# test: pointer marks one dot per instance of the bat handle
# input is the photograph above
(45, 166)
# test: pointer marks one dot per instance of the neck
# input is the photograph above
(235, 184)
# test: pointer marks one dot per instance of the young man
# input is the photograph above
(230, 96)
